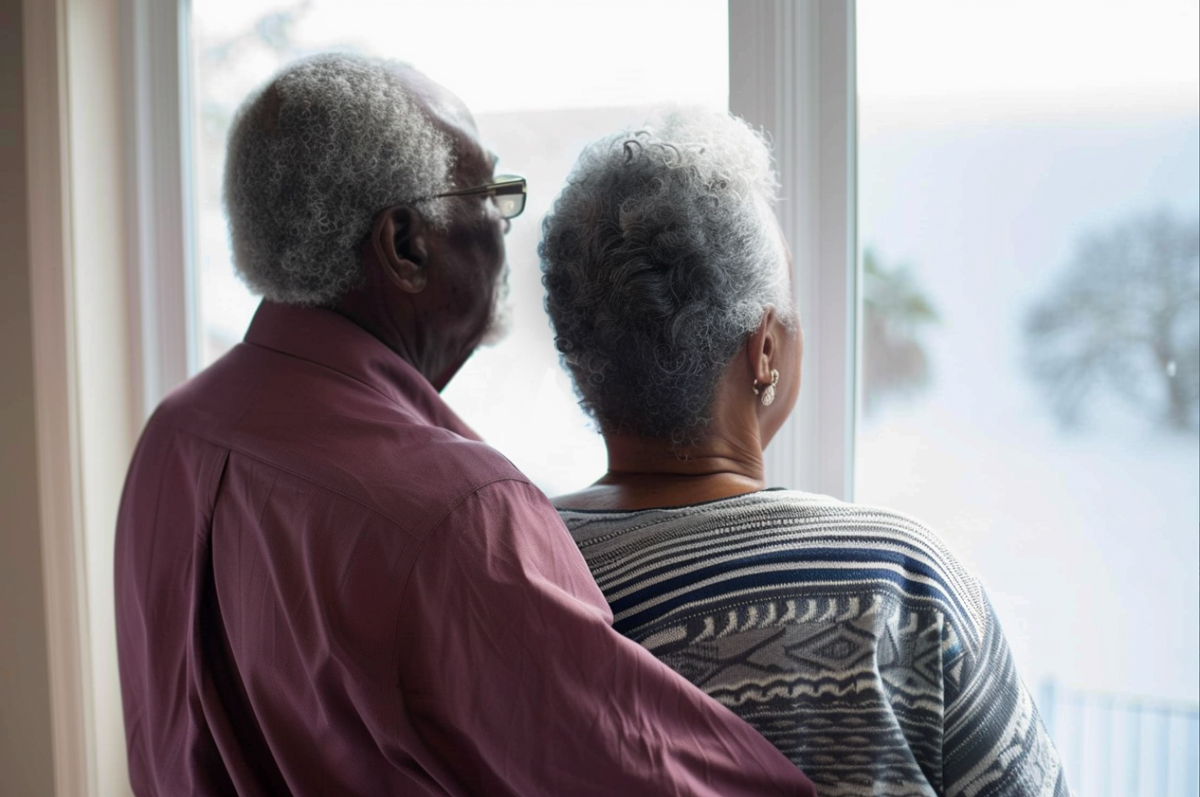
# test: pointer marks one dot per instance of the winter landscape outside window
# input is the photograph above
(1030, 351)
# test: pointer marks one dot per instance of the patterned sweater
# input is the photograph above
(848, 636)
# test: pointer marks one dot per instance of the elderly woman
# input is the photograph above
(848, 636)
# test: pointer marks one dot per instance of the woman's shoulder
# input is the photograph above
(804, 517)
(595, 497)
(847, 538)
(886, 538)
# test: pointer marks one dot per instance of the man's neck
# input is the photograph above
(402, 330)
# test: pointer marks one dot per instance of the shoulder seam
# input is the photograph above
(333, 490)
(373, 388)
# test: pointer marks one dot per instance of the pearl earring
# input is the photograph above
(767, 394)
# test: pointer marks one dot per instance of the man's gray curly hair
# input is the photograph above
(659, 259)
(312, 157)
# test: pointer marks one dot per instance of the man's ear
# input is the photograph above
(399, 241)
(760, 348)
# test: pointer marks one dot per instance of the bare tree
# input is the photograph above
(1124, 319)
(896, 313)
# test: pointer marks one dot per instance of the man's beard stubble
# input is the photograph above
(500, 315)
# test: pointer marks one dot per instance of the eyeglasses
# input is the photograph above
(508, 190)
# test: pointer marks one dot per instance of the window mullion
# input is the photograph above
(792, 73)
(158, 157)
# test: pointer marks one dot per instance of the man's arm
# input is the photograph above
(513, 677)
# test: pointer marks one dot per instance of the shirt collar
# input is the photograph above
(329, 339)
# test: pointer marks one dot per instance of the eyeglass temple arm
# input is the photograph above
(505, 187)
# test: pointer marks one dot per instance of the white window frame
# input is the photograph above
(159, 183)
(791, 72)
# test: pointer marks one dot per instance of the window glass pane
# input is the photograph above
(543, 79)
(1028, 214)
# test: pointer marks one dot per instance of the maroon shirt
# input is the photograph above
(327, 585)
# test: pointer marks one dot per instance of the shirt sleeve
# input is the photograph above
(994, 743)
(515, 681)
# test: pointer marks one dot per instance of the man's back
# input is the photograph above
(274, 509)
(326, 585)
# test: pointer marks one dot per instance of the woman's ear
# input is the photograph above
(399, 238)
(761, 348)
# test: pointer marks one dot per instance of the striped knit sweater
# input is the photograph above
(848, 636)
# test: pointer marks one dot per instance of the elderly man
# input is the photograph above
(325, 583)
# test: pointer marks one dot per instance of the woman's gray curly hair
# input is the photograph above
(312, 157)
(659, 258)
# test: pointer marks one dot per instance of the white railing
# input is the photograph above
(1128, 746)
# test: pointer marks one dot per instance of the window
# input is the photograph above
(1002, 150)
(565, 74)
(1028, 220)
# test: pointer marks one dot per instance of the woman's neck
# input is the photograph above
(727, 460)
(646, 473)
